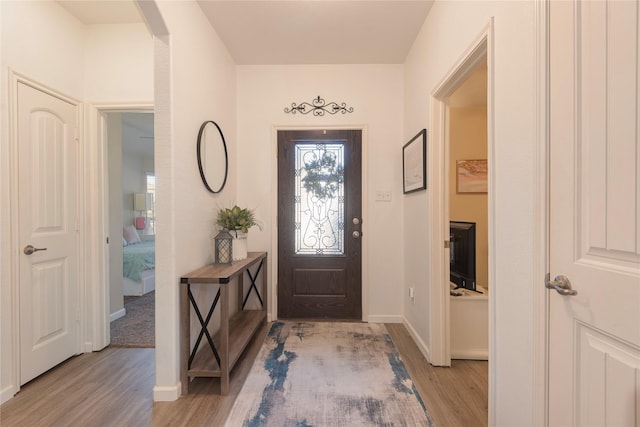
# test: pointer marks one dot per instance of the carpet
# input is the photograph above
(328, 374)
(137, 327)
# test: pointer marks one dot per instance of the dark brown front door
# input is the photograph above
(319, 224)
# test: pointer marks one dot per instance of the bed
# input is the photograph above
(138, 268)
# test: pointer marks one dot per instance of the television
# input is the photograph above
(462, 247)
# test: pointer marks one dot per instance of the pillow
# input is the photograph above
(130, 234)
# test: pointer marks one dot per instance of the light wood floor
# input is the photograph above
(114, 388)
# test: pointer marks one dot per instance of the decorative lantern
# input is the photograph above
(223, 248)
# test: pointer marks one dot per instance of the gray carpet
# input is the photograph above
(137, 327)
(328, 374)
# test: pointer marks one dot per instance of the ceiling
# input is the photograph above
(303, 31)
(137, 133)
(294, 31)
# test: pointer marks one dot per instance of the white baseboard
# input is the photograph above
(473, 354)
(167, 393)
(424, 349)
(384, 318)
(117, 314)
(7, 393)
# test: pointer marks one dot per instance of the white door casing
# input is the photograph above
(48, 218)
(594, 336)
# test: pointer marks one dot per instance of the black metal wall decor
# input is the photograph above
(318, 107)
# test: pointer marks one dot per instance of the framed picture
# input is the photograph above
(471, 176)
(414, 163)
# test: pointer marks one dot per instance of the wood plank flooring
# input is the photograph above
(114, 388)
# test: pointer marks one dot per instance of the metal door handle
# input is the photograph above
(29, 249)
(561, 284)
(356, 234)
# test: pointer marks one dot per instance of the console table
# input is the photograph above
(218, 358)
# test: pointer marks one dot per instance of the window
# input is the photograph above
(151, 209)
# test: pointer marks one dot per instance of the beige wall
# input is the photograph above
(195, 81)
(375, 92)
(449, 30)
(468, 141)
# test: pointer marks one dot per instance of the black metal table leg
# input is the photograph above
(204, 324)
(253, 286)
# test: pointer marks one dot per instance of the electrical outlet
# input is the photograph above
(383, 195)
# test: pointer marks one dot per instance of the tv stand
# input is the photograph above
(467, 289)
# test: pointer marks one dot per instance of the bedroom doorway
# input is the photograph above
(468, 209)
(131, 213)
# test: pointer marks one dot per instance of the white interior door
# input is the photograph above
(594, 360)
(47, 193)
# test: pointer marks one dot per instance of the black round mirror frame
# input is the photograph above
(226, 157)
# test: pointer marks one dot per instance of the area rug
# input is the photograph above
(137, 327)
(328, 374)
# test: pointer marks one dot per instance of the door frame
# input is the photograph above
(98, 306)
(16, 78)
(272, 311)
(480, 50)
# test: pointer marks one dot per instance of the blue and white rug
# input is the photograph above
(328, 374)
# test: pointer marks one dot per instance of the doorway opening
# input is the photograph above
(447, 200)
(131, 213)
(468, 87)
(468, 218)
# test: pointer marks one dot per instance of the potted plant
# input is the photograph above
(237, 221)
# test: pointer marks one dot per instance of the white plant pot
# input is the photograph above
(239, 244)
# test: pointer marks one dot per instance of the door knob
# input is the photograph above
(29, 249)
(356, 234)
(561, 284)
(356, 221)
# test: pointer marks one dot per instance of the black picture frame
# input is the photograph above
(414, 163)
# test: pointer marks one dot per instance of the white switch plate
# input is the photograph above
(383, 195)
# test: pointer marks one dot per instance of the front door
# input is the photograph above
(594, 360)
(48, 233)
(319, 224)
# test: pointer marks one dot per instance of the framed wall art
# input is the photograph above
(414, 163)
(471, 176)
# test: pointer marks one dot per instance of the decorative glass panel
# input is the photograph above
(319, 199)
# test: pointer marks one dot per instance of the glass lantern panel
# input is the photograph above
(319, 199)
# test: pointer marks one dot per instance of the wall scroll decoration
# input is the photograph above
(318, 106)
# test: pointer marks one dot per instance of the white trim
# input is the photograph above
(167, 393)
(422, 346)
(540, 392)
(117, 315)
(273, 297)
(7, 393)
(14, 264)
(479, 51)
(470, 354)
(96, 196)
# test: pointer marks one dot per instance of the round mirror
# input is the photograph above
(212, 156)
